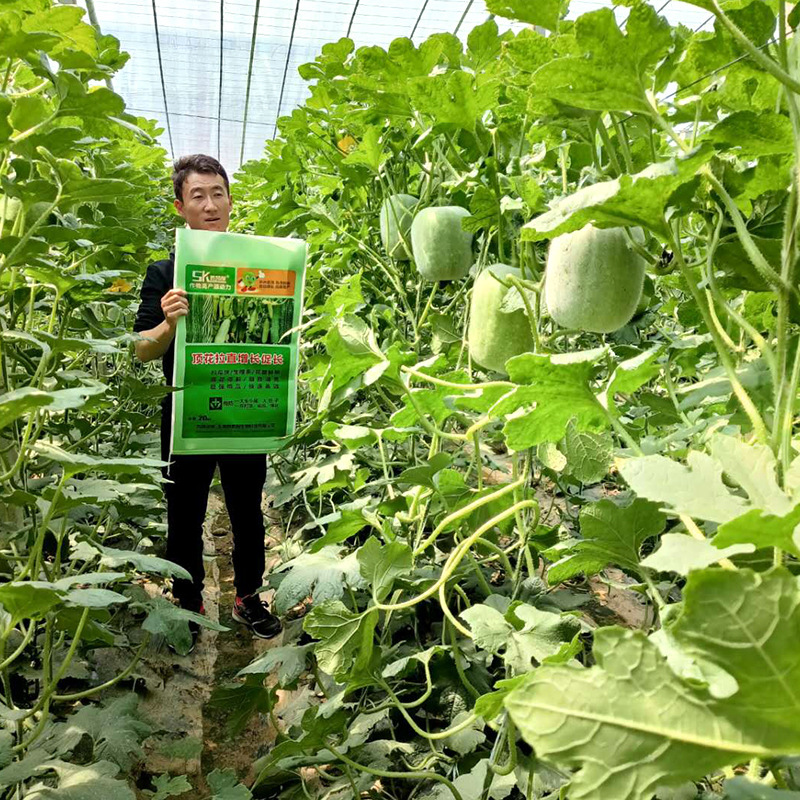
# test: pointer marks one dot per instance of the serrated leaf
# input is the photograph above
(629, 724)
(225, 786)
(381, 564)
(343, 634)
(540, 636)
(759, 530)
(240, 701)
(633, 200)
(552, 391)
(669, 483)
(545, 13)
(633, 373)
(752, 134)
(84, 783)
(612, 534)
(115, 730)
(166, 787)
(588, 455)
(172, 622)
(466, 740)
(322, 576)
(752, 466)
(288, 660)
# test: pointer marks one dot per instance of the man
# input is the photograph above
(202, 198)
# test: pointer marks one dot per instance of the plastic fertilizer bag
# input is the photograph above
(236, 352)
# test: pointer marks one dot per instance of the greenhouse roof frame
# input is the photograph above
(234, 63)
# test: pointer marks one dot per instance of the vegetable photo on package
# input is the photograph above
(238, 320)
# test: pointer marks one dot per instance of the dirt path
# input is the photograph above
(190, 735)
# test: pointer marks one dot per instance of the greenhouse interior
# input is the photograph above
(399, 401)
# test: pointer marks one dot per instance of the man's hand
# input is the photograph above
(175, 305)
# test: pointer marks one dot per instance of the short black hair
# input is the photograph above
(196, 163)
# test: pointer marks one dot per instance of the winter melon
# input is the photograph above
(593, 279)
(397, 214)
(495, 336)
(442, 249)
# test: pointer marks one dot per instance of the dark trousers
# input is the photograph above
(242, 478)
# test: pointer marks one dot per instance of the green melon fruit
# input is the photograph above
(9, 208)
(593, 279)
(495, 336)
(397, 214)
(442, 249)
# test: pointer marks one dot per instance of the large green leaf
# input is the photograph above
(84, 783)
(631, 200)
(345, 636)
(114, 728)
(225, 786)
(761, 530)
(288, 660)
(747, 624)
(545, 13)
(681, 553)
(753, 134)
(73, 463)
(629, 724)
(380, 565)
(22, 401)
(28, 599)
(612, 534)
(522, 634)
(239, 701)
(453, 98)
(751, 466)
(552, 391)
(322, 576)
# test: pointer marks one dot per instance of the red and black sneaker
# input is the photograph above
(251, 611)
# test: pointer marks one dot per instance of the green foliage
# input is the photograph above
(396, 216)
(663, 453)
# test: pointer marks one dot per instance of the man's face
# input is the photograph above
(206, 204)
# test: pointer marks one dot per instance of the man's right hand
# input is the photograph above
(175, 305)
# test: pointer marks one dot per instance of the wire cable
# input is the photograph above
(352, 18)
(163, 84)
(285, 68)
(419, 19)
(250, 78)
(463, 17)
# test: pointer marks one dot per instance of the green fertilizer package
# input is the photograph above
(236, 352)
